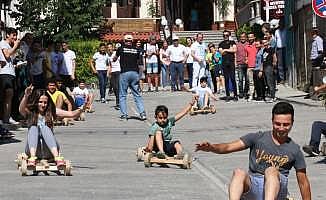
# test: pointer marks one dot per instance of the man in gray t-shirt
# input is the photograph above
(272, 155)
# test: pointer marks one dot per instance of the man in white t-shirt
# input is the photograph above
(178, 55)
(67, 70)
(8, 49)
(100, 65)
(198, 52)
(114, 72)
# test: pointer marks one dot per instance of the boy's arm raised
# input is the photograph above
(185, 110)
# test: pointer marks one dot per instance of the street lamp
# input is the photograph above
(166, 30)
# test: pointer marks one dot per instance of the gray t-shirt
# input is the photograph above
(265, 153)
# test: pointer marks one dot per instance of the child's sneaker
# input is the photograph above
(160, 155)
(59, 160)
(31, 161)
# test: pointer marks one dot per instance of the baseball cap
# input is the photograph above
(128, 37)
(174, 37)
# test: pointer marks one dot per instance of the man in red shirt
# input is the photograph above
(242, 67)
(251, 57)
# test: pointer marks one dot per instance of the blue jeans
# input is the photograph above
(190, 70)
(281, 65)
(102, 80)
(164, 75)
(256, 191)
(243, 76)
(130, 80)
(318, 128)
(176, 70)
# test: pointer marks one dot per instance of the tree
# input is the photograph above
(223, 7)
(59, 19)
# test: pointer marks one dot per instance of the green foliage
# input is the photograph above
(151, 9)
(84, 50)
(58, 19)
(243, 29)
(183, 41)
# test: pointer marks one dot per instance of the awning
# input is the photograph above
(118, 37)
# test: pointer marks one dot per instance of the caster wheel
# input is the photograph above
(186, 161)
(147, 160)
(67, 169)
(323, 149)
(23, 167)
(140, 154)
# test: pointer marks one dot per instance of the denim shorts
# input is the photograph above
(218, 70)
(152, 68)
(168, 147)
(79, 101)
(256, 190)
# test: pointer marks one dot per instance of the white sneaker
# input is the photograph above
(12, 121)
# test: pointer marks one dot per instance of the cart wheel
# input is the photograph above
(192, 111)
(67, 169)
(213, 109)
(186, 161)
(82, 116)
(323, 149)
(23, 167)
(147, 159)
(140, 154)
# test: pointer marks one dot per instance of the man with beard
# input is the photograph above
(272, 155)
(228, 49)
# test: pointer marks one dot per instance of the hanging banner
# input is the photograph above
(275, 9)
(319, 7)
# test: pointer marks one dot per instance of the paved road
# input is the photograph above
(102, 150)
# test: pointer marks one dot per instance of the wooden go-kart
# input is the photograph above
(150, 159)
(43, 165)
(195, 111)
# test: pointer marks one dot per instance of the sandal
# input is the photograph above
(59, 161)
(31, 161)
(161, 155)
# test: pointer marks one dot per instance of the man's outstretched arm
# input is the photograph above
(221, 148)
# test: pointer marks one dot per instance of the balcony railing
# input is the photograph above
(249, 13)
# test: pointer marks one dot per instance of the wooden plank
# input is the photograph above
(167, 161)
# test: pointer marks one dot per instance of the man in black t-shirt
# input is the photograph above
(269, 65)
(272, 155)
(228, 48)
(129, 78)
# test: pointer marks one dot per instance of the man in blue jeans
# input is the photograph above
(317, 128)
(129, 77)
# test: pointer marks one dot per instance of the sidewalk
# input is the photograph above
(286, 93)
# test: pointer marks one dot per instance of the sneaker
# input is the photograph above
(161, 155)
(123, 117)
(117, 107)
(235, 98)
(149, 90)
(103, 100)
(142, 117)
(156, 89)
(310, 150)
(59, 160)
(12, 121)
